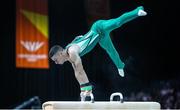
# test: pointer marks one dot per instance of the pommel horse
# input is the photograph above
(100, 105)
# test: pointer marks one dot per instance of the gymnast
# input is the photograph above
(81, 45)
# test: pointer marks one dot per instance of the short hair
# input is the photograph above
(54, 50)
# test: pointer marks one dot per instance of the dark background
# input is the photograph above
(148, 45)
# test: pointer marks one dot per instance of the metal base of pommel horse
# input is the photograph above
(100, 105)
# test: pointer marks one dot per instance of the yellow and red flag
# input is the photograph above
(32, 34)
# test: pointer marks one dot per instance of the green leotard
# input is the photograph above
(100, 33)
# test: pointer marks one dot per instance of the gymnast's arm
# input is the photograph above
(77, 64)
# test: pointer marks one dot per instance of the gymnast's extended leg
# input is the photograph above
(107, 26)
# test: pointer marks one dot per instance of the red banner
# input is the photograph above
(32, 34)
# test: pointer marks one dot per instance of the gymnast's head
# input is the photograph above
(58, 54)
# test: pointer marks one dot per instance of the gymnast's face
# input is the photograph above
(59, 58)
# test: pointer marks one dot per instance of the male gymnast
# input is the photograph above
(81, 45)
